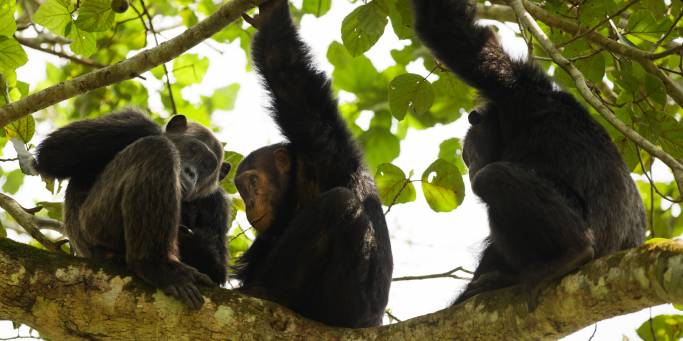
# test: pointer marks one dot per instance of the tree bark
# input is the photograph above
(69, 298)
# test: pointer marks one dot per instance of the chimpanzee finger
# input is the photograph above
(192, 295)
(204, 280)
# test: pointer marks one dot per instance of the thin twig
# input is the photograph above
(26, 221)
(652, 182)
(392, 316)
(163, 66)
(393, 201)
(668, 32)
(674, 50)
(581, 34)
(447, 274)
(595, 329)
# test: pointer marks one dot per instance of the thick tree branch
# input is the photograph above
(27, 221)
(128, 68)
(67, 298)
(529, 23)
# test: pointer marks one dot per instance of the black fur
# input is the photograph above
(327, 255)
(124, 197)
(557, 191)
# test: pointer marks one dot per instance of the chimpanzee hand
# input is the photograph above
(265, 11)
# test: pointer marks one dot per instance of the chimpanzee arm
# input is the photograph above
(84, 148)
(303, 103)
(448, 28)
(202, 244)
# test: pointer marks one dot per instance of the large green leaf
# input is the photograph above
(23, 129)
(451, 151)
(234, 159)
(393, 185)
(316, 7)
(381, 146)
(401, 15)
(7, 23)
(224, 98)
(410, 92)
(54, 15)
(12, 55)
(666, 328)
(13, 181)
(82, 42)
(190, 69)
(95, 15)
(442, 186)
(364, 26)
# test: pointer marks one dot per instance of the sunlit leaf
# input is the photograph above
(381, 146)
(410, 92)
(442, 186)
(363, 27)
(12, 55)
(7, 23)
(54, 15)
(316, 7)
(190, 68)
(83, 43)
(13, 181)
(234, 159)
(393, 185)
(23, 128)
(666, 328)
(95, 15)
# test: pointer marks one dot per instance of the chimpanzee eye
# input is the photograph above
(252, 180)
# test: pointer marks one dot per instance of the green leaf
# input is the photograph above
(3, 232)
(12, 55)
(380, 145)
(593, 68)
(7, 23)
(95, 15)
(451, 151)
(54, 15)
(54, 209)
(363, 27)
(442, 186)
(190, 69)
(23, 128)
(666, 328)
(189, 18)
(410, 92)
(592, 12)
(401, 15)
(393, 185)
(234, 159)
(13, 181)
(238, 243)
(316, 7)
(224, 98)
(82, 42)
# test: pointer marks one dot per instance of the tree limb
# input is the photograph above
(67, 298)
(128, 68)
(529, 23)
(27, 222)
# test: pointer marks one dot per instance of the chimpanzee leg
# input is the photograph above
(491, 273)
(321, 265)
(134, 209)
(533, 226)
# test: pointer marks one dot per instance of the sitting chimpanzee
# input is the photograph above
(557, 191)
(127, 184)
(323, 246)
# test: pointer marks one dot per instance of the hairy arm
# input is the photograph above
(83, 148)
(473, 52)
(302, 100)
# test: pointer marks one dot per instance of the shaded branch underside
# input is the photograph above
(69, 298)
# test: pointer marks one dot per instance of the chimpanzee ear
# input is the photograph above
(225, 169)
(282, 161)
(177, 124)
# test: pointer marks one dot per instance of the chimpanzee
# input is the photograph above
(557, 191)
(322, 247)
(127, 184)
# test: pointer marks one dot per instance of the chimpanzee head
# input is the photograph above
(201, 156)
